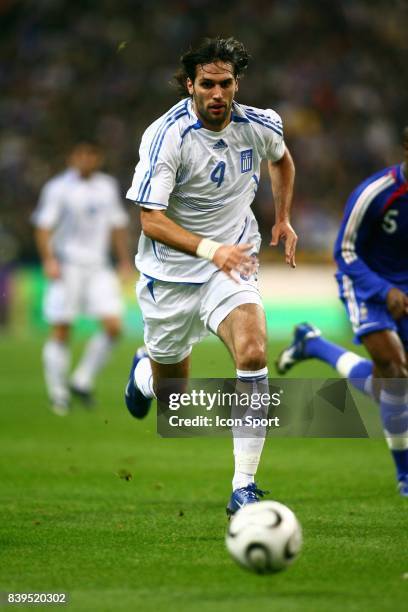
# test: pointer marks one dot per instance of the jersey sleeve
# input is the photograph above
(155, 174)
(274, 141)
(362, 209)
(48, 210)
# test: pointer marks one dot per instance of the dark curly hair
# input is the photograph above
(210, 50)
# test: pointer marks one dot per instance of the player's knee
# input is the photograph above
(60, 333)
(252, 356)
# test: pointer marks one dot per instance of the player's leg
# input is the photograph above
(243, 331)
(162, 372)
(234, 312)
(171, 326)
(101, 298)
(308, 343)
(147, 380)
(96, 354)
(391, 374)
(56, 361)
(60, 309)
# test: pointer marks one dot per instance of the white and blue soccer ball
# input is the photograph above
(264, 537)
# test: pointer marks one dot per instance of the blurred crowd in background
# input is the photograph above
(72, 69)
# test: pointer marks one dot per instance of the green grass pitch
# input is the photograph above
(70, 520)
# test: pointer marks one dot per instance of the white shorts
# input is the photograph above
(83, 290)
(177, 315)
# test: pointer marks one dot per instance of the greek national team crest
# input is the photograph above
(246, 160)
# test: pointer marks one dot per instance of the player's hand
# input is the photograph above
(285, 232)
(52, 269)
(397, 303)
(235, 258)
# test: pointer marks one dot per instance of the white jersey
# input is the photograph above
(205, 180)
(82, 213)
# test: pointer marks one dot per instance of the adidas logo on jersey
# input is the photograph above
(221, 144)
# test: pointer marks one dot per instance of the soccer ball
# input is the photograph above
(264, 537)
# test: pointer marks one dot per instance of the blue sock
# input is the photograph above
(353, 367)
(394, 414)
(322, 349)
(401, 462)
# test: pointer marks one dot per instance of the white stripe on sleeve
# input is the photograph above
(348, 245)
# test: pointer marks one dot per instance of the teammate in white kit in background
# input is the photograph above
(78, 217)
(195, 182)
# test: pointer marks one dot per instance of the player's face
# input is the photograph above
(213, 91)
(86, 160)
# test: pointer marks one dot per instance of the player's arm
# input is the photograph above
(120, 247)
(157, 226)
(370, 284)
(119, 220)
(282, 176)
(354, 231)
(45, 218)
(49, 261)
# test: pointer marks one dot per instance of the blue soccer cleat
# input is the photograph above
(242, 497)
(403, 486)
(137, 404)
(295, 352)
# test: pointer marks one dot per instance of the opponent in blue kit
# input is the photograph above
(196, 179)
(371, 252)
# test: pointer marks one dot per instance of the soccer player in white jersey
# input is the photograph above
(78, 217)
(196, 179)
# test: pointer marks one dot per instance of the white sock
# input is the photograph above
(95, 355)
(358, 370)
(247, 451)
(56, 360)
(144, 377)
(346, 363)
(247, 454)
(394, 415)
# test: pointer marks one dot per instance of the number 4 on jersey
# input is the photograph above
(217, 175)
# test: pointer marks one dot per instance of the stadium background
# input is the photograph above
(333, 70)
(336, 71)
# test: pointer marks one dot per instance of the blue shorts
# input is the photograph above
(367, 316)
